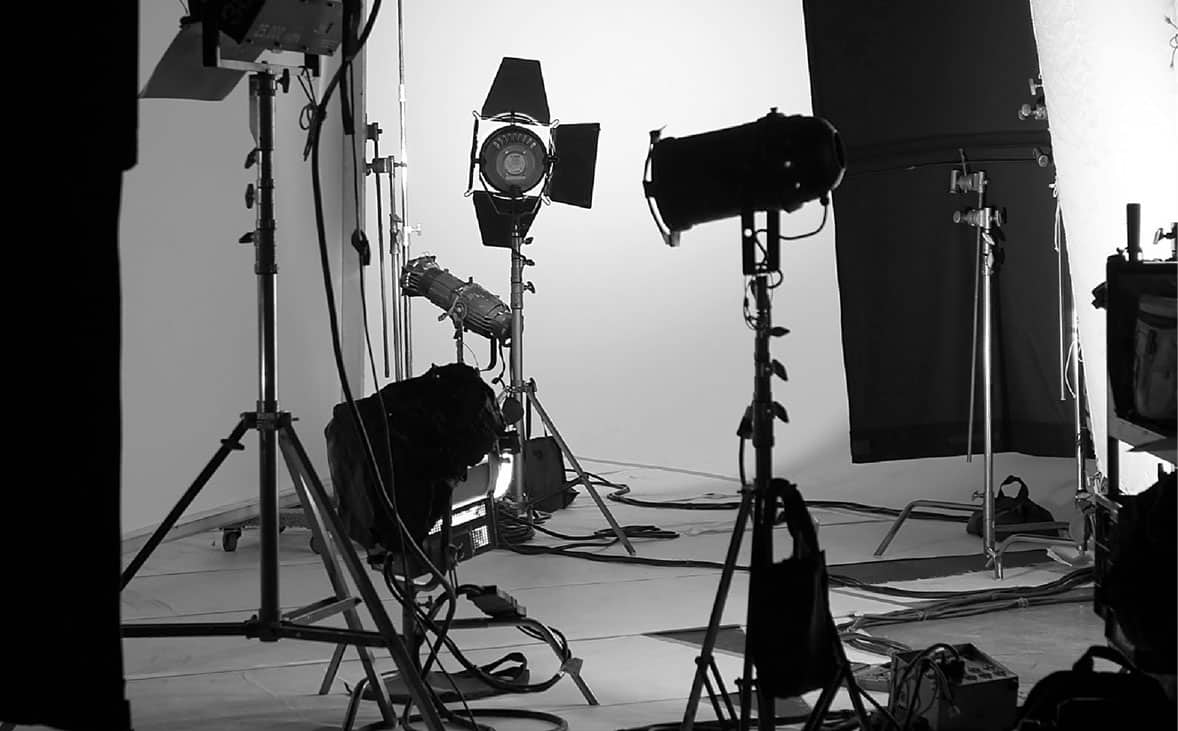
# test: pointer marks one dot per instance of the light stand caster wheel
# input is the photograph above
(315, 547)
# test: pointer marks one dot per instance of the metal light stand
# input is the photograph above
(525, 391)
(756, 501)
(985, 219)
(1072, 369)
(398, 255)
(276, 433)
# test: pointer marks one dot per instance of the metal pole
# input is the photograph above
(406, 229)
(262, 88)
(394, 255)
(517, 358)
(1077, 402)
(762, 543)
(987, 396)
(380, 252)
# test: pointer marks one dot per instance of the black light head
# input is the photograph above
(776, 163)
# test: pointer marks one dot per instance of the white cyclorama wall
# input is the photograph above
(640, 352)
(1111, 91)
(189, 291)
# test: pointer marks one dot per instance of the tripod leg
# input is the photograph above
(330, 558)
(613, 524)
(318, 497)
(337, 657)
(229, 444)
(705, 659)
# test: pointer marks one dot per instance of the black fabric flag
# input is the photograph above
(914, 89)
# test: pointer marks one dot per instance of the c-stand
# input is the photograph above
(524, 391)
(276, 433)
(758, 502)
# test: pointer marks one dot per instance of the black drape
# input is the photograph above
(72, 134)
(914, 88)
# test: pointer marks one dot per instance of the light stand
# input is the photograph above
(276, 434)
(758, 502)
(524, 391)
(985, 219)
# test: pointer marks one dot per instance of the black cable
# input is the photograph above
(558, 723)
(604, 534)
(621, 495)
(386, 498)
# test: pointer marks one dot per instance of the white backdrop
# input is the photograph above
(189, 302)
(640, 352)
(1112, 102)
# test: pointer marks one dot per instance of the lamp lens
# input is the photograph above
(513, 160)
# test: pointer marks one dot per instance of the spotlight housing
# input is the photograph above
(776, 163)
(517, 168)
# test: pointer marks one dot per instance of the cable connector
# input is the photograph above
(495, 603)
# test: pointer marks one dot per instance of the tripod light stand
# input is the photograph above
(986, 220)
(758, 503)
(275, 429)
(512, 161)
(775, 163)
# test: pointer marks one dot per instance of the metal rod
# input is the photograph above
(329, 554)
(394, 254)
(973, 346)
(709, 644)
(1058, 244)
(384, 294)
(762, 542)
(229, 444)
(988, 397)
(391, 640)
(406, 229)
(1078, 402)
(903, 516)
(517, 358)
(262, 87)
(620, 534)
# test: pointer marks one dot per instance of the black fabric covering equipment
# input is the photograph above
(434, 427)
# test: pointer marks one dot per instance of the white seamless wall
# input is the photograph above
(640, 352)
(189, 302)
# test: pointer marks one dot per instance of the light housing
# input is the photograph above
(516, 167)
(776, 163)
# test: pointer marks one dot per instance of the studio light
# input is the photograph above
(516, 166)
(468, 304)
(776, 163)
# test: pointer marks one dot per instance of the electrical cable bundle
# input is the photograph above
(386, 499)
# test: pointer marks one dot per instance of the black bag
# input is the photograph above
(1013, 511)
(791, 633)
(1082, 698)
(439, 425)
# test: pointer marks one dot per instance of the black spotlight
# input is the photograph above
(517, 167)
(776, 163)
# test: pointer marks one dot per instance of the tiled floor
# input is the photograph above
(606, 610)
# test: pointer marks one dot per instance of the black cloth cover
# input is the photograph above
(913, 88)
(424, 432)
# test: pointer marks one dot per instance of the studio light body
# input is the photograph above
(776, 163)
(514, 160)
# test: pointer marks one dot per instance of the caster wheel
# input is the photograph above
(282, 527)
(229, 540)
(315, 547)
